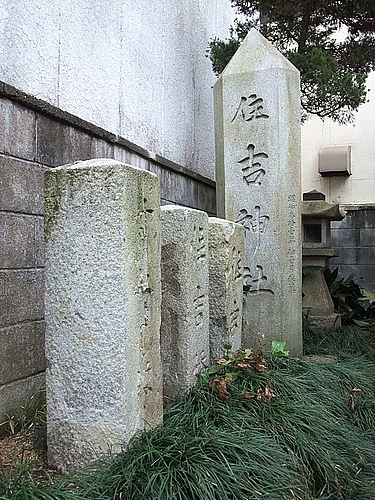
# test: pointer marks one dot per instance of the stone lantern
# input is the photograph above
(316, 252)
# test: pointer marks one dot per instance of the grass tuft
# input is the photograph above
(314, 439)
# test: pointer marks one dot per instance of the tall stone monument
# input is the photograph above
(258, 174)
(102, 244)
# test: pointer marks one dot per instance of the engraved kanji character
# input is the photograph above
(252, 168)
(199, 309)
(234, 318)
(255, 223)
(199, 241)
(249, 108)
(256, 282)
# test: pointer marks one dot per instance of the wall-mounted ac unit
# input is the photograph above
(335, 160)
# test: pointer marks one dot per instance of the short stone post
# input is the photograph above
(102, 242)
(184, 327)
(226, 252)
(258, 174)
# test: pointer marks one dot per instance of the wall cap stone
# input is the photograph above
(358, 206)
(51, 111)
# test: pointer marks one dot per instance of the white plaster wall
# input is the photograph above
(359, 188)
(136, 68)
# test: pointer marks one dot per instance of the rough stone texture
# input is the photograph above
(21, 186)
(257, 117)
(19, 241)
(185, 318)
(33, 137)
(257, 121)
(57, 145)
(226, 251)
(57, 140)
(354, 239)
(21, 257)
(102, 251)
(17, 131)
(18, 234)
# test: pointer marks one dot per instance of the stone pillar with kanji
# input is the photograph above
(258, 175)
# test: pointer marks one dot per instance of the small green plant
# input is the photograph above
(31, 413)
(11, 422)
(278, 349)
(348, 299)
(14, 424)
(227, 347)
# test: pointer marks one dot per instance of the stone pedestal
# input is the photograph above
(317, 301)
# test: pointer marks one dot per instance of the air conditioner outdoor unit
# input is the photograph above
(335, 160)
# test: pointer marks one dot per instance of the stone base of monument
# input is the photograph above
(321, 359)
(317, 300)
(330, 322)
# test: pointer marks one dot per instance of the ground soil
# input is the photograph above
(26, 446)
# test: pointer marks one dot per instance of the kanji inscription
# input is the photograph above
(256, 281)
(250, 108)
(253, 171)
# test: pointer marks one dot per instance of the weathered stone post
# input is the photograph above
(257, 122)
(184, 327)
(226, 252)
(102, 242)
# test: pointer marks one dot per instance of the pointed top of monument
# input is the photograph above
(256, 53)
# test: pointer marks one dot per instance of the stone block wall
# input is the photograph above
(35, 136)
(354, 238)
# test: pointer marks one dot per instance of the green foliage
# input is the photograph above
(345, 342)
(32, 412)
(278, 349)
(17, 482)
(349, 300)
(307, 442)
(243, 364)
(333, 72)
(221, 52)
(314, 438)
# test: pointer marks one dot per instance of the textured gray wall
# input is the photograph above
(133, 67)
(35, 136)
(354, 238)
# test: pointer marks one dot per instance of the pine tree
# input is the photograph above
(331, 42)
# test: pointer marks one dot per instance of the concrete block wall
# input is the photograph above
(21, 261)
(354, 238)
(35, 136)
